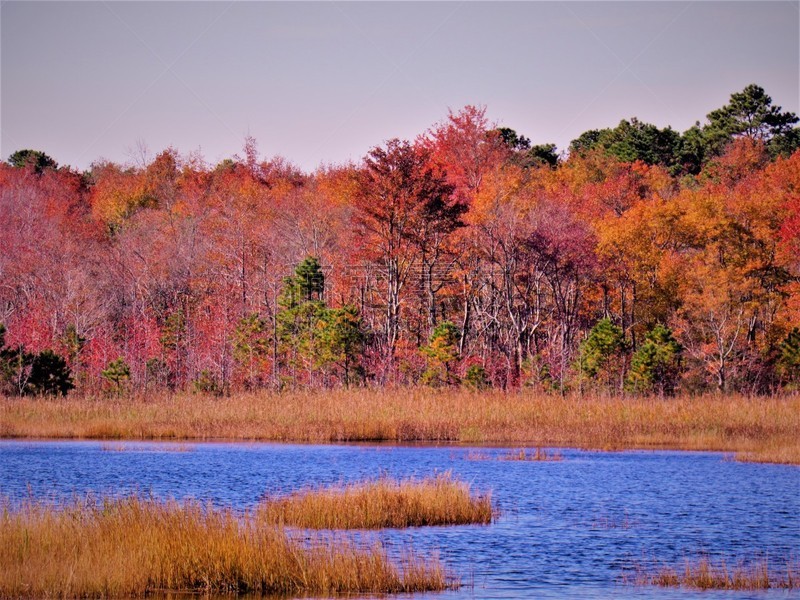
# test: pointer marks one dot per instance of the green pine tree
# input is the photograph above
(341, 341)
(789, 359)
(442, 353)
(656, 365)
(49, 375)
(602, 354)
(117, 372)
(251, 347)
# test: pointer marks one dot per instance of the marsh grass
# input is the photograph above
(148, 447)
(521, 455)
(538, 455)
(786, 454)
(707, 575)
(134, 547)
(764, 429)
(384, 502)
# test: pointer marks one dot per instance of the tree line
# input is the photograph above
(642, 261)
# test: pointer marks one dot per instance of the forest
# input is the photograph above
(639, 261)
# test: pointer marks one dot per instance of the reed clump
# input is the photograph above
(764, 429)
(381, 503)
(134, 547)
(707, 575)
(538, 455)
(520, 455)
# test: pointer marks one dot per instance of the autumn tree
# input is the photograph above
(506, 218)
(178, 268)
(466, 148)
(403, 208)
(565, 246)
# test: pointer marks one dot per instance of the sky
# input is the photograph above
(323, 82)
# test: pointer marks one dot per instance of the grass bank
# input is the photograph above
(758, 428)
(135, 547)
(707, 575)
(439, 500)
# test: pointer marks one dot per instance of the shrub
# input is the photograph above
(476, 378)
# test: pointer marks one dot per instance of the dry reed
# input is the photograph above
(765, 429)
(439, 500)
(128, 447)
(521, 455)
(604, 522)
(705, 575)
(538, 455)
(134, 547)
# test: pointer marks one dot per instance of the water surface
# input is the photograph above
(570, 528)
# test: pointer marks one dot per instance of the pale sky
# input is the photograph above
(323, 82)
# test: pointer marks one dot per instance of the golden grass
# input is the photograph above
(521, 455)
(705, 575)
(765, 429)
(786, 454)
(439, 500)
(135, 547)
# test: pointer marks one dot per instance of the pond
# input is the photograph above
(568, 528)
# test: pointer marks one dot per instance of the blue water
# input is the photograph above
(572, 528)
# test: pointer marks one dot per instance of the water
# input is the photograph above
(571, 528)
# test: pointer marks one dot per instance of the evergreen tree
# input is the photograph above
(311, 336)
(442, 353)
(656, 365)
(24, 373)
(251, 347)
(341, 341)
(49, 375)
(602, 353)
(477, 378)
(631, 141)
(73, 343)
(789, 359)
(33, 159)
(117, 373)
(14, 367)
(300, 316)
(308, 282)
(751, 113)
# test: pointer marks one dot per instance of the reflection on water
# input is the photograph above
(568, 528)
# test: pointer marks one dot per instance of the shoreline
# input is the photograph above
(731, 455)
(379, 443)
(755, 429)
